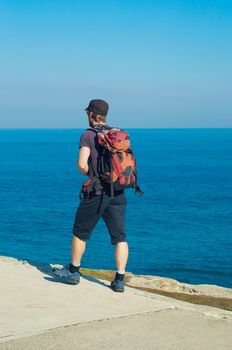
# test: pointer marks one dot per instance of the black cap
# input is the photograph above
(98, 106)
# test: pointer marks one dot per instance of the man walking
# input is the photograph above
(98, 203)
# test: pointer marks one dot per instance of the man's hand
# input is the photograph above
(83, 160)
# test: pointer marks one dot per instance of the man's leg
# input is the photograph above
(121, 256)
(86, 219)
(87, 216)
(114, 217)
(72, 273)
(78, 249)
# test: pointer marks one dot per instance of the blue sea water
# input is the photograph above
(181, 228)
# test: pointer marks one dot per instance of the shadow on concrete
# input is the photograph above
(52, 277)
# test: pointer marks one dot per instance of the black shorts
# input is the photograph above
(112, 210)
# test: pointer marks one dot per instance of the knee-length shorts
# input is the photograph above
(111, 210)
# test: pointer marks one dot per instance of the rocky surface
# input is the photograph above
(172, 285)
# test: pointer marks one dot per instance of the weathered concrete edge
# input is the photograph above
(4, 339)
(202, 310)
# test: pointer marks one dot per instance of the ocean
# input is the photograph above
(181, 228)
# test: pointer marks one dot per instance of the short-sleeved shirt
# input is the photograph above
(89, 139)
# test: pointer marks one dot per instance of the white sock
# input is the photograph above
(121, 272)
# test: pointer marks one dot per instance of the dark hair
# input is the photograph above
(98, 117)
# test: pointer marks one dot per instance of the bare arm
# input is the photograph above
(83, 160)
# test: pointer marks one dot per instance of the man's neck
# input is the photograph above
(99, 124)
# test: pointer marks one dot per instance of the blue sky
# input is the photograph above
(161, 64)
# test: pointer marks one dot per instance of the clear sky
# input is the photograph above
(161, 64)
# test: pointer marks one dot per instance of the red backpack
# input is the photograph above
(117, 161)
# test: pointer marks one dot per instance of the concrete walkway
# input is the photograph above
(36, 309)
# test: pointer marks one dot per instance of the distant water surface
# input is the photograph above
(181, 228)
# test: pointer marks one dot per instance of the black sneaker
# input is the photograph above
(66, 276)
(117, 286)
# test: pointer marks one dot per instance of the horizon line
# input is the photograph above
(147, 128)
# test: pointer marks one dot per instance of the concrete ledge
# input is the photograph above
(33, 301)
